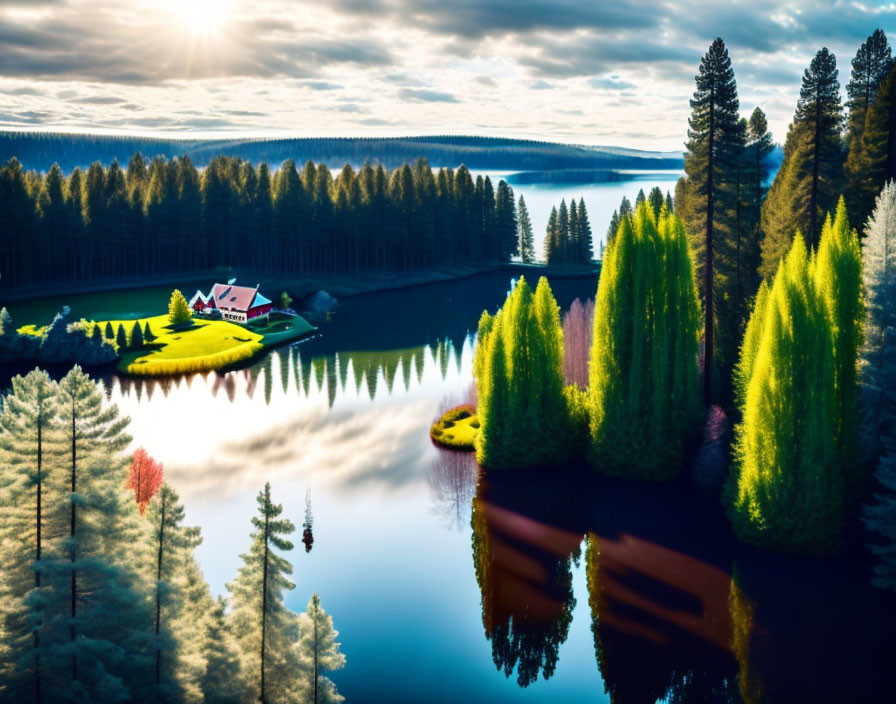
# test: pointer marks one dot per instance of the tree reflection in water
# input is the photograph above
(669, 620)
(452, 477)
(524, 571)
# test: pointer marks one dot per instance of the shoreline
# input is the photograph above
(303, 287)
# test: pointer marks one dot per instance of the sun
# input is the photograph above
(201, 16)
(198, 17)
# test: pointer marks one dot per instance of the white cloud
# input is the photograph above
(416, 66)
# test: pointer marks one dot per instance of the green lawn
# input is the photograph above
(206, 345)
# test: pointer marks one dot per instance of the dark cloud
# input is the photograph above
(422, 95)
(487, 81)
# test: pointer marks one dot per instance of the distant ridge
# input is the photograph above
(39, 150)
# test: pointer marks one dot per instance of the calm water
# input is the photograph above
(450, 585)
(601, 199)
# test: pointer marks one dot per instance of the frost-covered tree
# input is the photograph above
(9, 336)
(27, 497)
(91, 432)
(172, 544)
(318, 652)
(265, 630)
(218, 684)
(878, 372)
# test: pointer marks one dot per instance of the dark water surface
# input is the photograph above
(450, 585)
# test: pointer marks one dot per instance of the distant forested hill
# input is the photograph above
(40, 150)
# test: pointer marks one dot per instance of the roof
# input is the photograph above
(198, 296)
(237, 297)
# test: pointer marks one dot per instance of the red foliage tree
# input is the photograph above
(145, 478)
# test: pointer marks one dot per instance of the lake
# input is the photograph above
(601, 199)
(448, 584)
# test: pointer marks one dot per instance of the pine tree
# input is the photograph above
(506, 223)
(715, 141)
(872, 162)
(572, 244)
(173, 545)
(148, 335)
(318, 652)
(586, 248)
(526, 244)
(871, 63)
(179, 312)
(643, 392)
(96, 334)
(218, 683)
(108, 332)
(656, 200)
(29, 495)
(90, 432)
(263, 627)
(136, 336)
(121, 338)
(552, 238)
(810, 176)
(562, 236)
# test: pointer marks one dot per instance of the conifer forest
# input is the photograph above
(476, 352)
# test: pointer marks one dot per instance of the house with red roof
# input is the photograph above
(235, 303)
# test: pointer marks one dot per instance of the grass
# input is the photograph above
(278, 328)
(456, 429)
(204, 346)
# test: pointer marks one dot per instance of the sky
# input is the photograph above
(578, 71)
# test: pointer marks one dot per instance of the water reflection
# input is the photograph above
(308, 524)
(301, 368)
(452, 477)
(523, 568)
(660, 622)
(679, 611)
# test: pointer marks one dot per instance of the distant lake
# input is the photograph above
(448, 584)
(601, 197)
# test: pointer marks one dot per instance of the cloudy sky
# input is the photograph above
(617, 73)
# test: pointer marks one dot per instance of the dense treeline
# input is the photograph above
(38, 150)
(102, 597)
(642, 401)
(567, 238)
(740, 230)
(167, 217)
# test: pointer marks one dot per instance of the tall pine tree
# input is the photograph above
(809, 180)
(715, 141)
